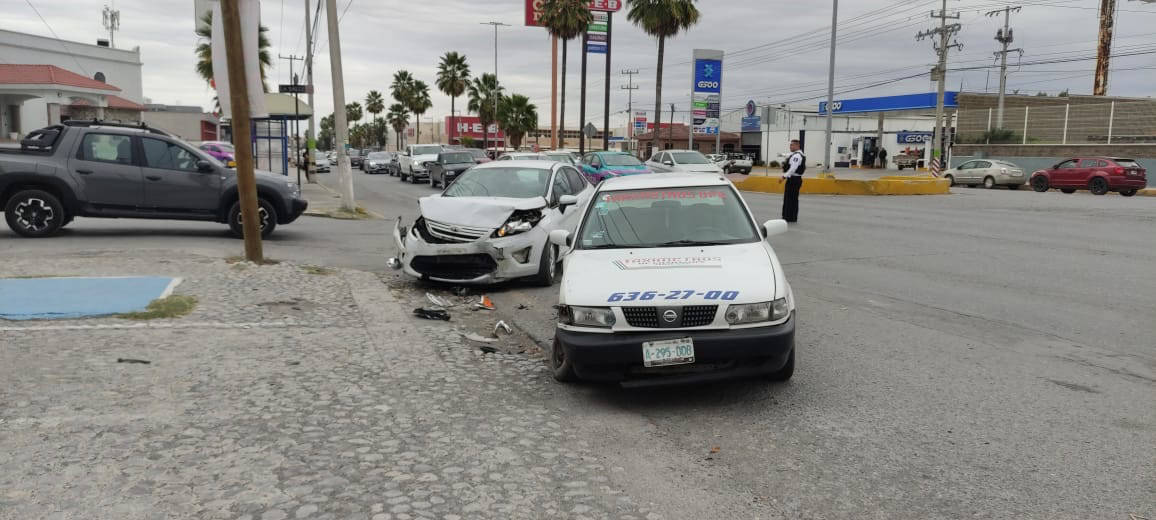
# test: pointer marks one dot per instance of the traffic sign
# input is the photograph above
(590, 130)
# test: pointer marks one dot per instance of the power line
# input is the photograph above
(58, 40)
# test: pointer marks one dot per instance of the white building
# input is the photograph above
(42, 80)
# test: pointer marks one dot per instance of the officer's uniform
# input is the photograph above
(793, 168)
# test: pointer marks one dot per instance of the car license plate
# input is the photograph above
(668, 352)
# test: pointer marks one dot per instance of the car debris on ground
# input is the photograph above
(431, 314)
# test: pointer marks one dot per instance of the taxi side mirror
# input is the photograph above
(560, 238)
(774, 227)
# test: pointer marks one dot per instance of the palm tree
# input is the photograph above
(419, 102)
(204, 51)
(453, 78)
(484, 92)
(517, 116)
(662, 19)
(353, 112)
(325, 136)
(375, 104)
(565, 20)
(398, 119)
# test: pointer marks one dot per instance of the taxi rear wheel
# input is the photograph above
(785, 373)
(560, 366)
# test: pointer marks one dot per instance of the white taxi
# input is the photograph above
(669, 278)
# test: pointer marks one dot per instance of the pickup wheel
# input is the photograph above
(265, 211)
(34, 213)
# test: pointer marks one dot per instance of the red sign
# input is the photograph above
(534, 9)
(470, 126)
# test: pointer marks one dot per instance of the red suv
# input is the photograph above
(1096, 174)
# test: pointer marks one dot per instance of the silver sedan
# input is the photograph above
(988, 172)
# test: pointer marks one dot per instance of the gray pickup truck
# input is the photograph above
(110, 170)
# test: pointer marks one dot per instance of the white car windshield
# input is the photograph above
(378, 156)
(456, 158)
(620, 159)
(427, 150)
(512, 182)
(666, 217)
(689, 158)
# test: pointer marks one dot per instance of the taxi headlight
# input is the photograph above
(602, 317)
(757, 312)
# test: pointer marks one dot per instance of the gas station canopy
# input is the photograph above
(903, 103)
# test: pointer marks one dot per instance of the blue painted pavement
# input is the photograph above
(61, 298)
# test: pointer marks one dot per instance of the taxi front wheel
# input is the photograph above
(560, 366)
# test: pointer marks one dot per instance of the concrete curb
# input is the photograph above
(891, 185)
(360, 214)
(1147, 192)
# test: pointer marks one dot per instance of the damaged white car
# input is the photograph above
(492, 224)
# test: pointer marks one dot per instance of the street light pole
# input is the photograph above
(830, 88)
(496, 96)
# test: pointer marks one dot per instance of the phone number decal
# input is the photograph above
(677, 294)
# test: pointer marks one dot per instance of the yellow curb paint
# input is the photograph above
(1147, 192)
(882, 186)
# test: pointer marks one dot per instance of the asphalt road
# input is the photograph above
(985, 354)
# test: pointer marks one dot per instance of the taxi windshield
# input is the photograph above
(667, 217)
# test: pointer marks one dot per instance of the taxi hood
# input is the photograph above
(475, 211)
(599, 273)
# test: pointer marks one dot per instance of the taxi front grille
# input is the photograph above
(652, 317)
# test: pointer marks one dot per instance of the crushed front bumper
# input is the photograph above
(483, 261)
(719, 354)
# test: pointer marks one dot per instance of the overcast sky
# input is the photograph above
(777, 49)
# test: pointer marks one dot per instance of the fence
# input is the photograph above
(1117, 122)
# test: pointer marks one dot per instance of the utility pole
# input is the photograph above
(340, 123)
(1104, 48)
(309, 134)
(111, 21)
(582, 98)
(630, 87)
(553, 93)
(496, 96)
(1005, 37)
(242, 130)
(944, 32)
(669, 129)
(296, 112)
(827, 165)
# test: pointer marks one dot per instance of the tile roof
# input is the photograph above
(48, 75)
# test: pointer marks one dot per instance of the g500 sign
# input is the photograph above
(708, 76)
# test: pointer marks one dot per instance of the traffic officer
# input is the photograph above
(793, 167)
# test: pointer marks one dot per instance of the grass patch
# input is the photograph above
(317, 270)
(173, 306)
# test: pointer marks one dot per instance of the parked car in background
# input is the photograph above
(448, 166)
(492, 224)
(523, 156)
(480, 156)
(377, 162)
(109, 170)
(738, 163)
(414, 162)
(670, 278)
(221, 151)
(688, 161)
(599, 166)
(562, 157)
(355, 158)
(321, 162)
(1099, 175)
(989, 172)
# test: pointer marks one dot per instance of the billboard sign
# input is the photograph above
(471, 126)
(706, 91)
(596, 34)
(752, 124)
(534, 9)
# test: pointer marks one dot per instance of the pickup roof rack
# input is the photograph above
(116, 124)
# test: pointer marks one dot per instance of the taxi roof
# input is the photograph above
(662, 180)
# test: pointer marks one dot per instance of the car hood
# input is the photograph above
(599, 273)
(475, 211)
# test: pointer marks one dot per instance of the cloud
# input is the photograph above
(777, 50)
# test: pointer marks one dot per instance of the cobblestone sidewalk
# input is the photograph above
(284, 394)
